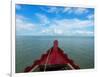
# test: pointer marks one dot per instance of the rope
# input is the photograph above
(47, 60)
(34, 68)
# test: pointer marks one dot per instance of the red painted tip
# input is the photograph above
(56, 43)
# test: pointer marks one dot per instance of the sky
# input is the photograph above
(41, 20)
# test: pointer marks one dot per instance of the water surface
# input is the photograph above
(30, 48)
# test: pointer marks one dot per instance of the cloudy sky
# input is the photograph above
(39, 20)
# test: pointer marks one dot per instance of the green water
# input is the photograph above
(30, 48)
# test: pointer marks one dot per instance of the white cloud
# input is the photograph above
(68, 27)
(68, 10)
(52, 10)
(73, 23)
(75, 10)
(80, 10)
(43, 19)
(90, 16)
(55, 26)
(22, 25)
(84, 33)
(63, 26)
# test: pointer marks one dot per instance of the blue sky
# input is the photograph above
(40, 20)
